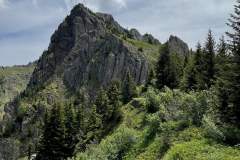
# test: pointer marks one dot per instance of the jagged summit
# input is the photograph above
(83, 41)
(176, 45)
(88, 51)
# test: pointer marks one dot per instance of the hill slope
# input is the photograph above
(13, 80)
(87, 52)
(163, 125)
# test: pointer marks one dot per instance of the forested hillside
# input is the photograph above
(13, 80)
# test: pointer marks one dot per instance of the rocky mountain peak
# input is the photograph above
(150, 39)
(86, 51)
(135, 34)
(176, 45)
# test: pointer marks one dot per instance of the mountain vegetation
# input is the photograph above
(13, 80)
(102, 92)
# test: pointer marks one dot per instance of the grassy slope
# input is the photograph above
(150, 51)
(12, 81)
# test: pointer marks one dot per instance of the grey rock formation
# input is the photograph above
(86, 54)
(13, 80)
(111, 24)
(176, 45)
(109, 59)
(150, 39)
(135, 34)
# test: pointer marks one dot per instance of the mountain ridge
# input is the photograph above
(87, 51)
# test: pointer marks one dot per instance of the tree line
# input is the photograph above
(211, 66)
(66, 132)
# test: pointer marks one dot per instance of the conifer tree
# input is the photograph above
(166, 71)
(196, 75)
(79, 117)
(189, 81)
(151, 77)
(230, 92)
(199, 68)
(102, 105)
(95, 126)
(114, 95)
(222, 57)
(51, 144)
(129, 89)
(71, 131)
(222, 47)
(209, 53)
(150, 80)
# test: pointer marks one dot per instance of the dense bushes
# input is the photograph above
(177, 105)
(155, 122)
(201, 150)
(113, 147)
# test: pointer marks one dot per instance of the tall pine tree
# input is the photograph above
(166, 71)
(52, 141)
(230, 92)
(71, 131)
(103, 106)
(129, 89)
(189, 81)
(222, 57)
(199, 68)
(209, 53)
(114, 95)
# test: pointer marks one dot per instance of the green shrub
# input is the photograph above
(140, 49)
(201, 150)
(112, 147)
(153, 101)
(177, 105)
(155, 150)
(211, 130)
(188, 134)
(231, 133)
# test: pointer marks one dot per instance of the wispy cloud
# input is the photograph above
(97, 5)
(26, 25)
(3, 3)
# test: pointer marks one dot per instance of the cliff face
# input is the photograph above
(86, 53)
(176, 45)
(13, 80)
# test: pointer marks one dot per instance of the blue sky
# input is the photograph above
(27, 25)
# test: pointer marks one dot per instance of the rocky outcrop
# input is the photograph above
(176, 45)
(150, 39)
(86, 54)
(109, 59)
(13, 80)
(135, 34)
(111, 24)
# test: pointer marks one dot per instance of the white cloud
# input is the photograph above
(3, 4)
(97, 5)
(122, 3)
(35, 3)
(28, 24)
